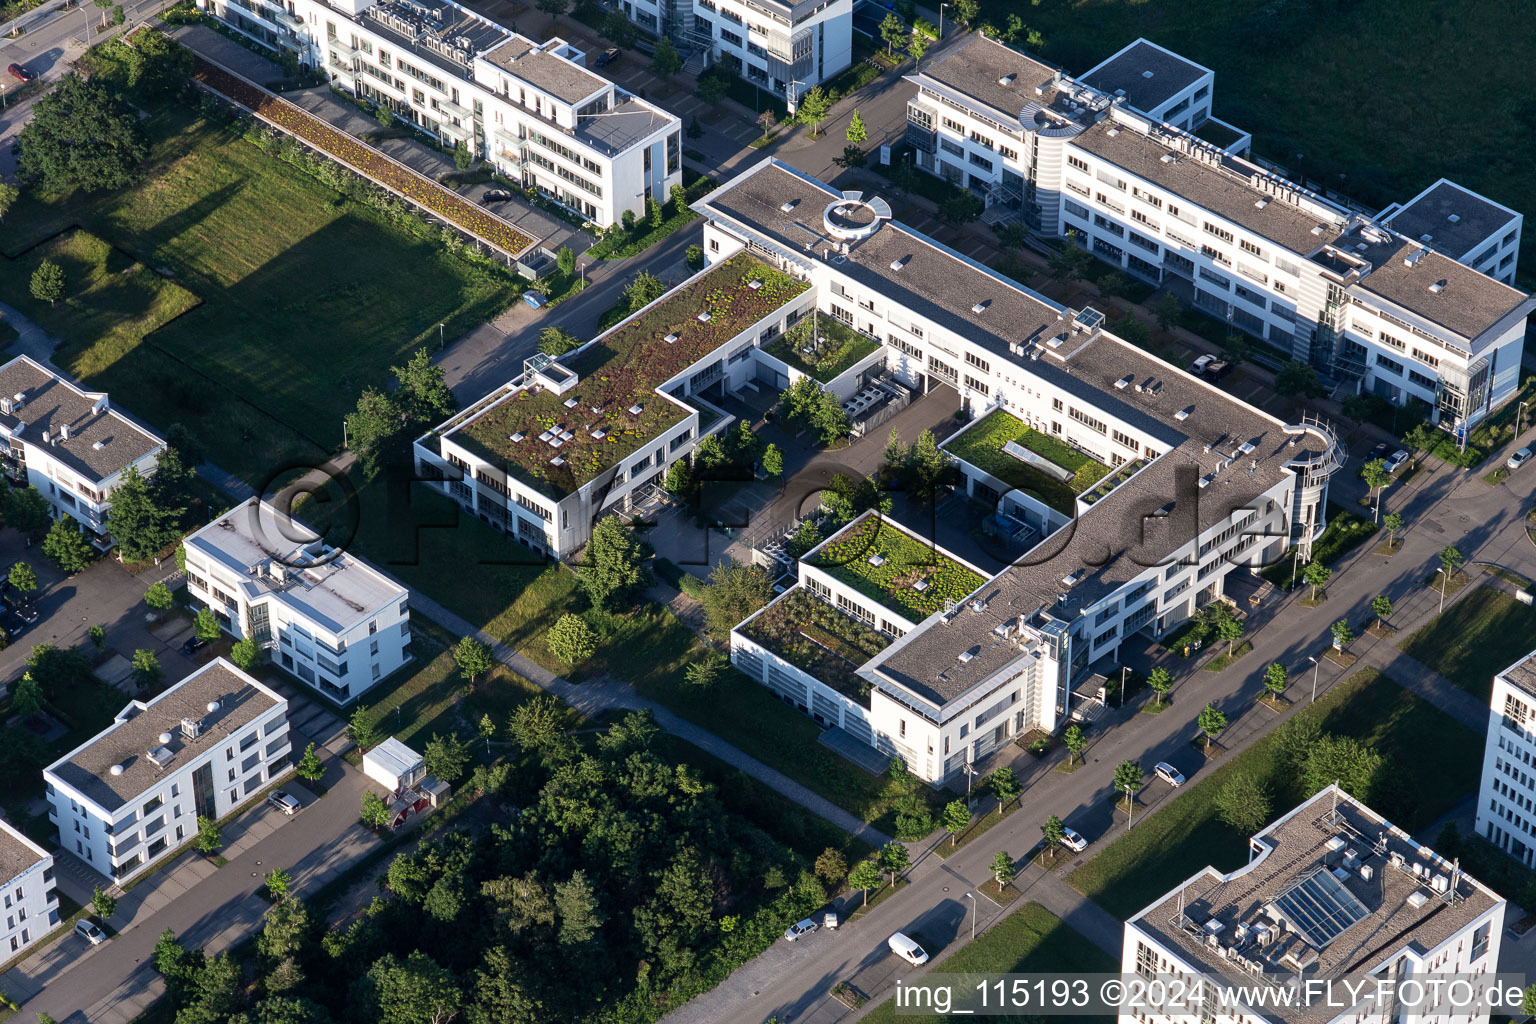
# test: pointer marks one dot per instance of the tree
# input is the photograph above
(611, 569)
(578, 907)
(463, 159)
(1005, 786)
(572, 640)
(146, 668)
(375, 813)
(372, 428)
(679, 200)
(804, 404)
(277, 883)
(704, 672)
(1315, 575)
(767, 121)
(773, 461)
(23, 577)
(894, 859)
(734, 592)
(1451, 560)
(1342, 759)
(310, 768)
(48, 282)
(1236, 348)
(141, 524)
(1160, 681)
(857, 132)
(1128, 779)
(98, 636)
(445, 757)
(918, 45)
(1276, 679)
(1243, 804)
(865, 876)
(922, 468)
(473, 657)
(957, 817)
(813, 108)
(536, 722)
(1053, 831)
(415, 991)
(666, 62)
(1211, 722)
(894, 32)
(1227, 626)
(1393, 521)
(961, 207)
(1376, 477)
(206, 625)
(1298, 379)
(8, 195)
(119, 15)
(694, 256)
(554, 8)
(832, 868)
(645, 289)
(26, 695)
(1343, 636)
(679, 479)
(1002, 868)
(27, 511)
(177, 964)
(712, 89)
(1381, 607)
(245, 653)
(80, 136)
(557, 341)
(1075, 740)
(1069, 263)
(967, 10)
(159, 597)
(487, 728)
(210, 837)
(363, 727)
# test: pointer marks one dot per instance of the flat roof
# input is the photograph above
(1017, 326)
(101, 442)
(1441, 290)
(994, 75)
(416, 26)
(1522, 675)
(628, 122)
(394, 757)
(1149, 74)
(1328, 925)
(562, 78)
(275, 555)
(618, 371)
(18, 854)
(136, 732)
(1430, 212)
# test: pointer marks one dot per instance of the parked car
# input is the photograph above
(13, 624)
(283, 801)
(495, 195)
(1169, 774)
(24, 610)
(608, 56)
(1518, 459)
(1378, 452)
(1198, 366)
(1217, 369)
(908, 950)
(21, 73)
(193, 645)
(1397, 460)
(1072, 841)
(534, 299)
(87, 930)
(794, 931)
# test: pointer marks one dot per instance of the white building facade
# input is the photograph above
(1506, 802)
(325, 616)
(532, 110)
(134, 792)
(30, 900)
(70, 444)
(1121, 161)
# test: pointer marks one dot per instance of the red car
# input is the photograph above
(19, 72)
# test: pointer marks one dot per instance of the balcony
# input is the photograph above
(454, 110)
(341, 46)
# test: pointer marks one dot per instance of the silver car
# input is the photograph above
(1072, 841)
(283, 801)
(1169, 774)
(795, 931)
(1518, 459)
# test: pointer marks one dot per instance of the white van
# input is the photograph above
(908, 950)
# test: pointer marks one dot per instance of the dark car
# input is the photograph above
(20, 73)
(13, 624)
(495, 195)
(193, 645)
(608, 56)
(1379, 452)
(23, 610)
(1218, 369)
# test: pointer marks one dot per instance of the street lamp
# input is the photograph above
(941, 21)
(970, 774)
(439, 337)
(1444, 579)
(344, 441)
(1315, 666)
(1520, 417)
(972, 897)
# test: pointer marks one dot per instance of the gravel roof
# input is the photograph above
(1429, 213)
(17, 853)
(561, 78)
(1149, 74)
(994, 75)
(1466, 302)
(52, 402)
(1522, 674)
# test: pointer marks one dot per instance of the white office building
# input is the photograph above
(1411, 303)
(31, 903)
(1506, 804)
(532, 110)
(324, 615)
(70, 444)
(1331, 889)
(133, 792)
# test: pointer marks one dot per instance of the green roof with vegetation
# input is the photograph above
(819, 639)
(828, 353)
(913, 578)
(982, 446)
(621, 372)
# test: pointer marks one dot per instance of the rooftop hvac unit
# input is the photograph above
(1333, 849)
(1367, 872)
(190, 728)
(1352, 859)
(1441, 884)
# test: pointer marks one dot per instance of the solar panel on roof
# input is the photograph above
(1318, 907)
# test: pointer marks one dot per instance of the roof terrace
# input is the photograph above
(994, 446)
(614, 409)
(818, 638)
(880, 560)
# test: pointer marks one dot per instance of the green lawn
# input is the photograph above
(1186, 834)
(1428, 42)
(1477, 637)
(1031, 940)
(914, 579)
(982, 446)
(305, 298)
(835, 349)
